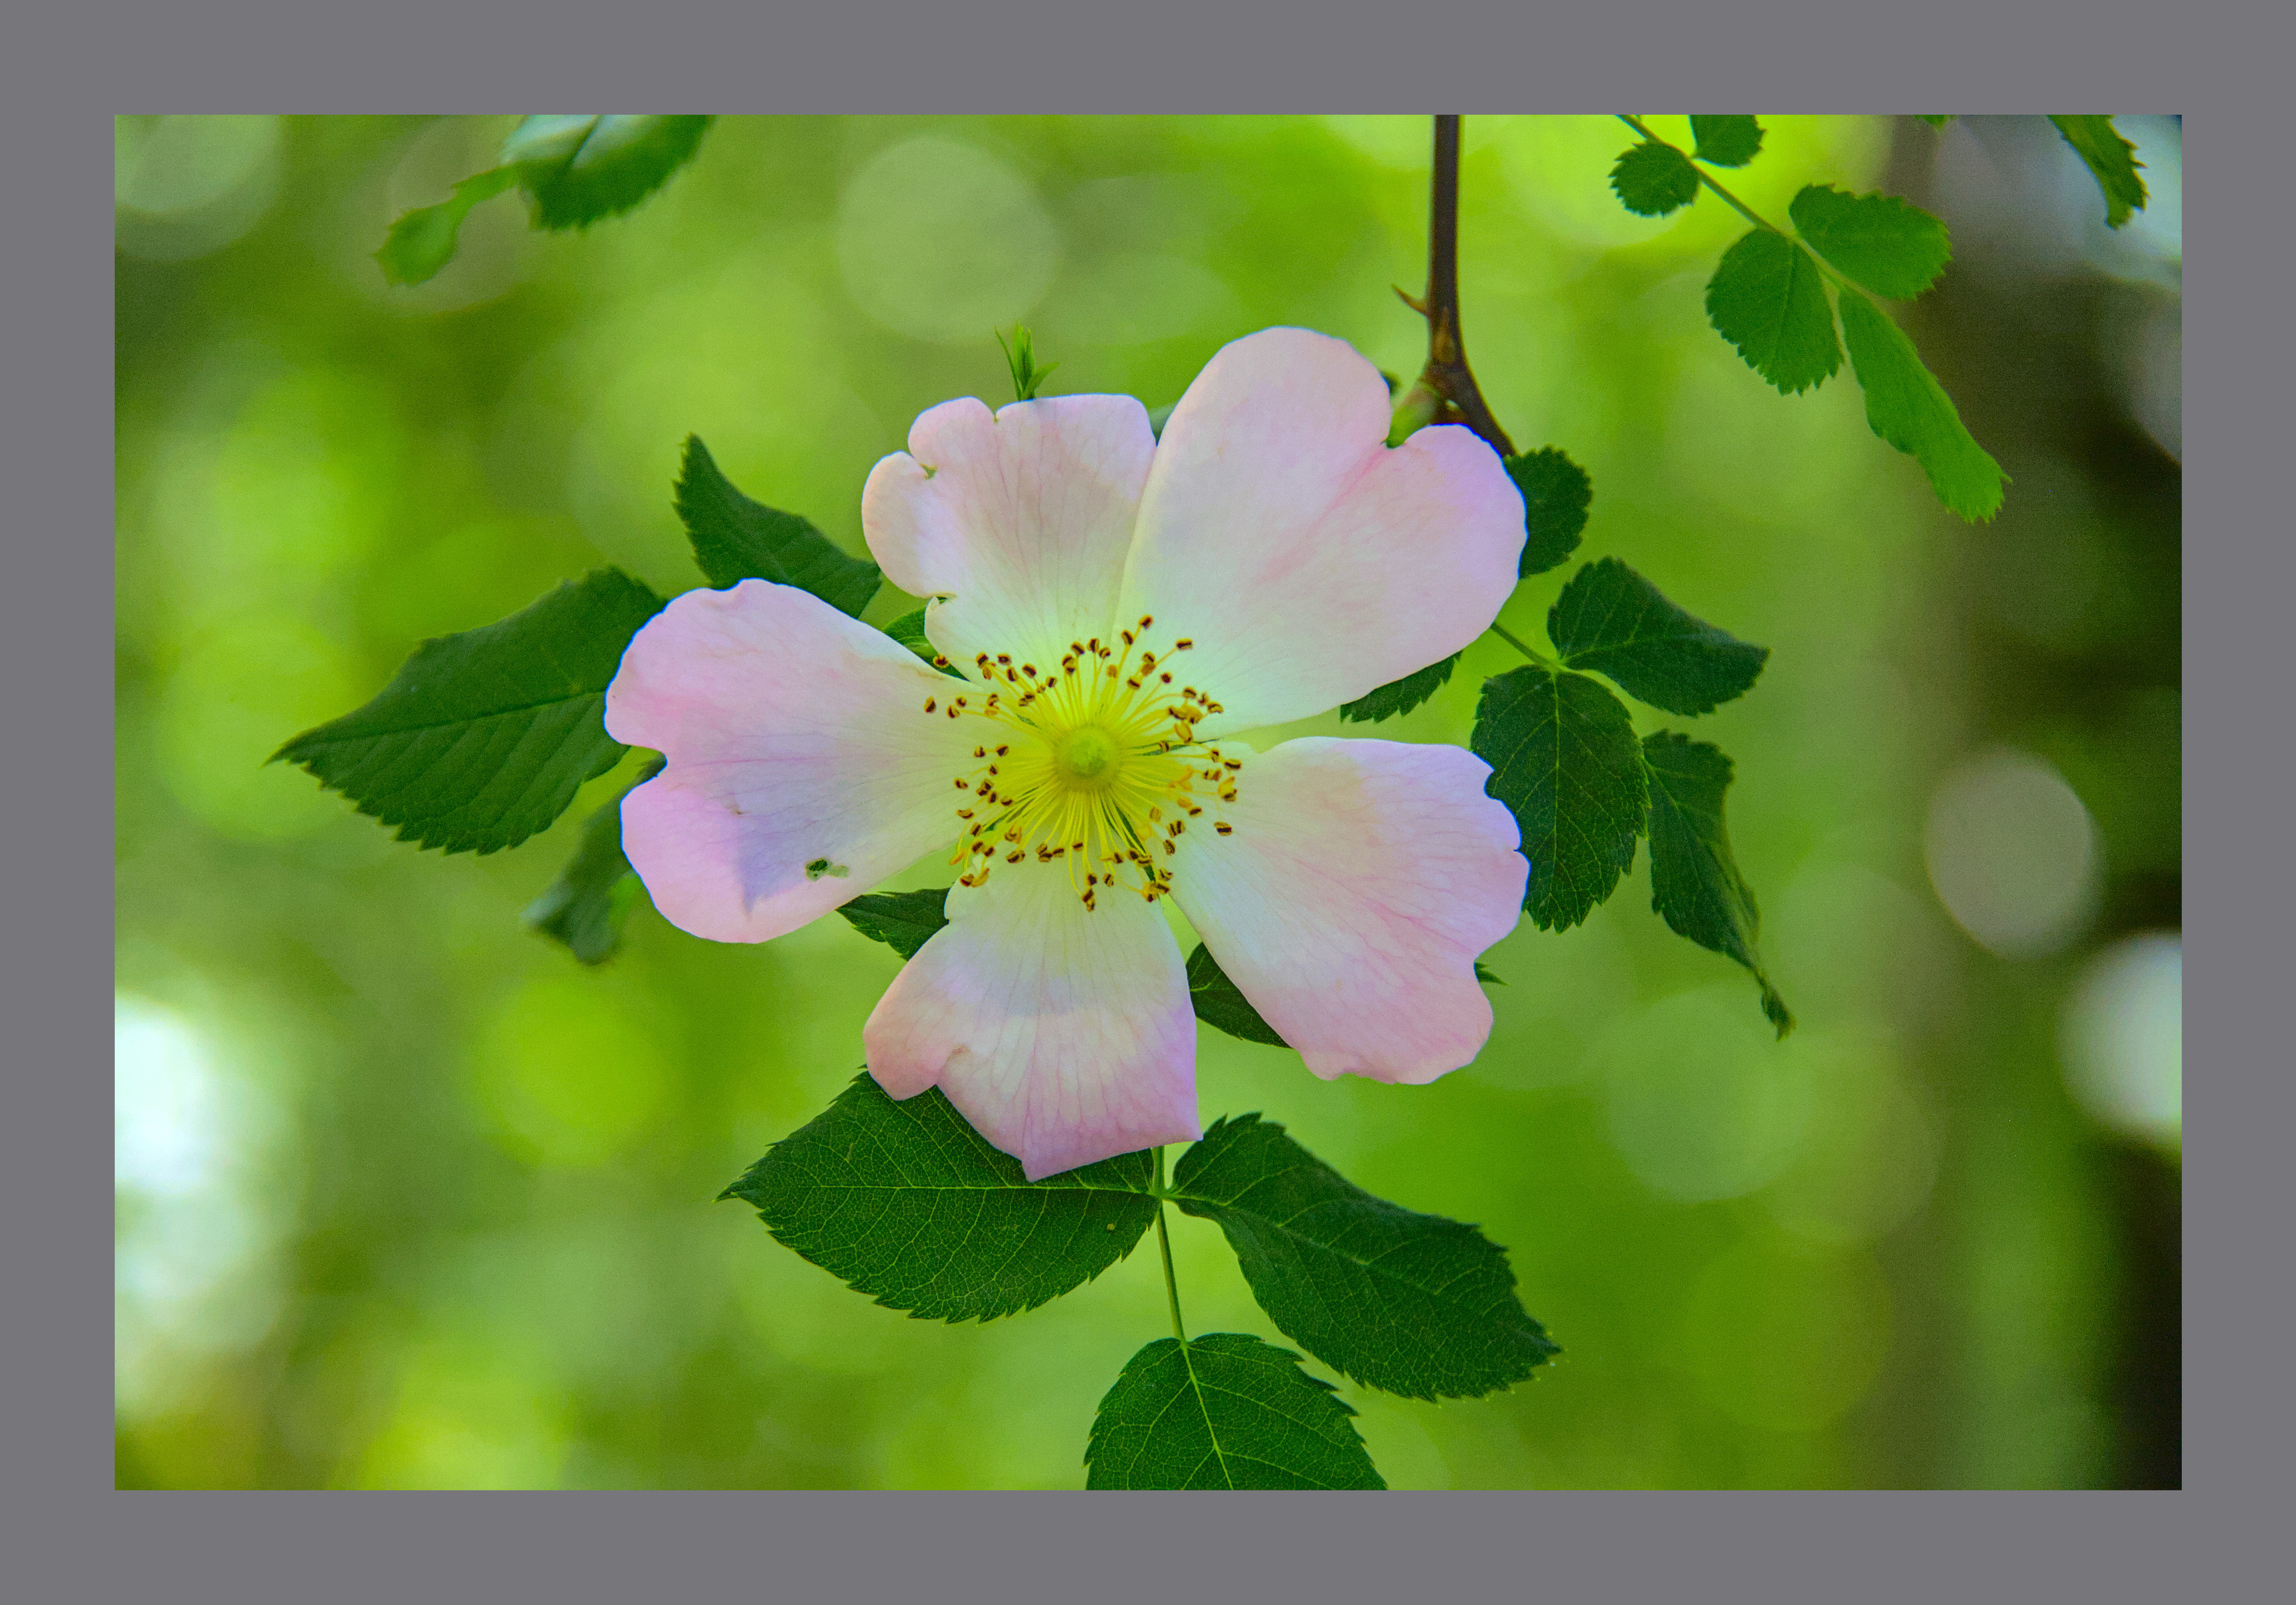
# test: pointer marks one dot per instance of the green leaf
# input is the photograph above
(1219, 1003)
(1727, 142)
(423, 241)
(1484, 974)
(580, 169)
(1407, 1302)
(1654, 178)
(585, 908)
(1020, 357)
(1224, 1410)
(1891, 246)
(909, 630)
(1564, 760)
(736, 539)
(1556, 494)
(903, 921)
(1768, 299)
(905, 1202)
(482, 739)
(2112, 161)
(1610, 619)
(1399, 696)
(1907, 406)
(1694, 879)
(1935, 122)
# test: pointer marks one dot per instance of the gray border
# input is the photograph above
(73, 1538)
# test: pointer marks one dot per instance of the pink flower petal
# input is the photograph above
(1021, 519)
(796, 737)
(1360, 881)
(1308, 561)
(1063, 1034)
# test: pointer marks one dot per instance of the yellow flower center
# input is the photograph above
(1094, 763)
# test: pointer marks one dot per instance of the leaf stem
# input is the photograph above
(1526, 648)
(1164, 1241)
(1745, 211)
(1447, 373)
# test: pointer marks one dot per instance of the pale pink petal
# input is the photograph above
(1063, 1034)
(796, 737)
(1021, 519)
(1360, 881)
(1308, 563)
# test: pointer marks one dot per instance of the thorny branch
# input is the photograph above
(1447, 381)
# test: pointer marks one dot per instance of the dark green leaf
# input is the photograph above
(909, 630)
(1727, 142)
(585, 908)
(1907, 406)
(1556, 494)
(736, 539)
(1694, 879)
(2111, 160)
(1224, 1410)
(1654, 178)
(1407, 1302)
(1937, 122)
(482, 739)
(1891, 246)
(1399, 696)
(1219, 1004)
(423, 241)
(1768, 299)
(1610, 619)
(908, 1203)
(580, 169)
(1484, 974)
(903, 921)
(1564, 760)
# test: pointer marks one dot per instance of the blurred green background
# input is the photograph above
(407, 1197)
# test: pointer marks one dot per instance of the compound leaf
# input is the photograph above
(1610, 619)
(1654, 178)
(1399, 696)
(2112, 161)
(1766, 299)
(1224, 1410)
(1695, 885)
(735, 538)
(580, 169)
(1907, 406)
(585, 908)
(1564, 760)
(1556, 494)
(1891, 246)
(1727, 142)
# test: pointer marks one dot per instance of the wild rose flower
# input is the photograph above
(1119, 607)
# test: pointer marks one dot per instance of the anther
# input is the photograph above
(1182, 644)
(929, 703)
(1224, 828)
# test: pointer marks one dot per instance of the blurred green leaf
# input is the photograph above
(585, 908)
(1694, 879)
(905, 1202)
(1890, 245)
(2112, 161)
(1399, 696)
(1564, 760)
(1907, 406)
(903, 921)
(1768, 299)
(1936, 121)
(1219, 1003)
(1654, 178)
(1727, 142)
(482, 739)
(1611, 620)
(735, 538)
(1224, 1410)
(1556, 494)
(580, 169)
(423, 241)
(909, 630)
(1411, 1304)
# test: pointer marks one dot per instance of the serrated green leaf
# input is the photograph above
(735, 538)
(1219, 1003)
(423, 241)
(585, 908)
(1556, 494)
(1399, 696)
(580, 169)
(1727, 142)
(1564, 760)
(1611, 620)
(2112, 161)
(1654, 178)
(1224, 1410)
(1907, 406)
(903, 921)
(909, 630)
(1769, 299)
(1407, 1302)
(482, 739)
(1889, 245)
(905, 1202)
(1695, 885)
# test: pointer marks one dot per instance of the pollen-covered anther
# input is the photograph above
(1224, 828)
